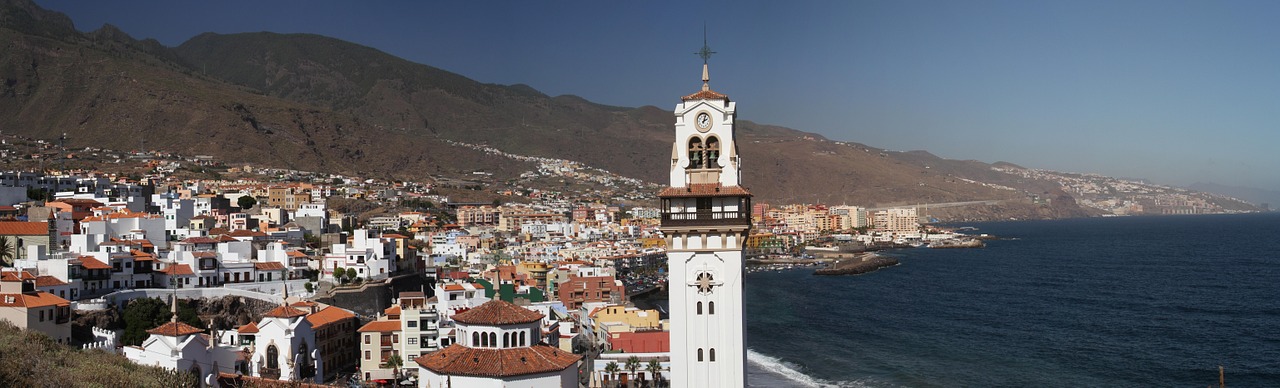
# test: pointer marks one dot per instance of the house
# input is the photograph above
(409, 328)
(28, 308)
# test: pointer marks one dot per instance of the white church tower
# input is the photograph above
(706, 215)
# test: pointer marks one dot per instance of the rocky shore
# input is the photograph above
(857, 266)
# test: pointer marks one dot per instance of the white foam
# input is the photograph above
(792, 372)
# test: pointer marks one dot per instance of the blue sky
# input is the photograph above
(1172, 91)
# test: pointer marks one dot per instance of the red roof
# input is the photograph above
(250, 328)
(329, 315)
(460, 360)
(199, 240)
(393, 310)
(89, 262)
(174, 329)
(268, 266)
(177, 269)
(704, 190)
(37, 299)
(380, 326)
(22, 228)
(497, 312)
(49, 281)
(705, 95)
(284, 312)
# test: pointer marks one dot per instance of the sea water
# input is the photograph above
(1107, 302)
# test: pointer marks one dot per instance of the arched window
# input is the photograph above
(522, 336)
(493, 339)
(711, 308)
(713, 152)
(506, 340)
(273, 357)
(484, 340)
(699, 308)
(713, 354)
(695, 153)
(699, 354)
(475, 339)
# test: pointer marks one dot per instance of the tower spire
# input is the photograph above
(705, 53)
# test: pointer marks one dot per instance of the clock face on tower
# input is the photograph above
(704, 122)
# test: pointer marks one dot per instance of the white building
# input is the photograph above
(498, 347)
(706, 216)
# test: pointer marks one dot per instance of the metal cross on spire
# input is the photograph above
(705, 52)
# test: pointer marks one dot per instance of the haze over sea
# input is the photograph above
(1114, 302)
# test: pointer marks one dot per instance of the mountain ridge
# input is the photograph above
(306, 101)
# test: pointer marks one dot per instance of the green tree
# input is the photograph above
(612, 369)
(7, 251)
(144, 314)
(246, 202)
(633, 364)
(655, 369)
(340, 274)
(394, 362)
(310, 287)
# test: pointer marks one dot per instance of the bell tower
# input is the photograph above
(705, 219)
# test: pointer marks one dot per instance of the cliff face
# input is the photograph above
(316, 103)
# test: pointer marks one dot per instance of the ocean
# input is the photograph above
(1106, 302)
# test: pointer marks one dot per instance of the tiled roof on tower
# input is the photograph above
(174, 329)
(459, 360)
(497, 312)
(284, 312)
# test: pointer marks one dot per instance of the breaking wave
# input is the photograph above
(773, 372)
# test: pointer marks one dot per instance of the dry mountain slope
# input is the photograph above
(318, 103)
(106, 89)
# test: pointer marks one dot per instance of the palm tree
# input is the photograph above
(612, 369)
(394, 362)
(633, 364)
(655, 369)
(6, 251)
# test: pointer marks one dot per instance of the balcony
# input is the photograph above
(707, 218)
(270, 373)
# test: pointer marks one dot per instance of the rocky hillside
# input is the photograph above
(317, 103)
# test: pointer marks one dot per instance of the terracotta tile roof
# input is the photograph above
(454, 287)
(497, 312)
(177, 269)
(226, 238)
(704, 190)
(705, 95)
(460, 360)
(29, 300)
(393, 235)
(22, 228)
(246, 233)
(16, 276)
(174, 329)
(141, 256)
(89, 262)
(204, 254)
(328, 315)
(199, 240)
(393, 310)
(295, 254)
(249, 328)
(49, 281)
(380, 326)
(269, 266)
(284, 312)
